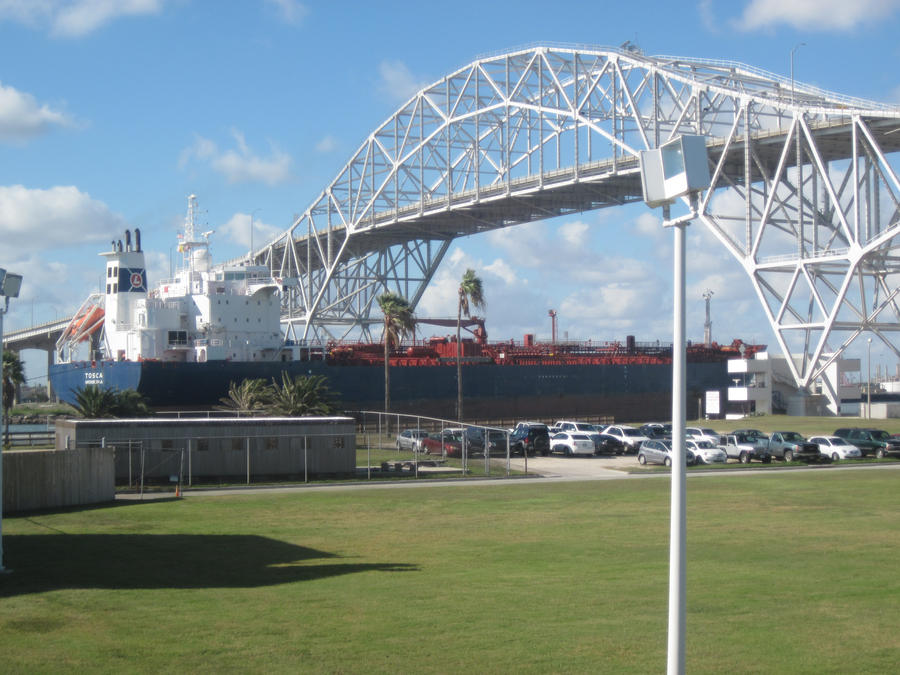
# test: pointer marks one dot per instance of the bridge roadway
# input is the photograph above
(583, 187)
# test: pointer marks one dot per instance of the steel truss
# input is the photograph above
(804, 192)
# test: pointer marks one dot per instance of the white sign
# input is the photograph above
(713, 403)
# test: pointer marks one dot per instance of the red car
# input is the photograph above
(446, 443)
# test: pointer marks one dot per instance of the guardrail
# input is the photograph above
(31, 438)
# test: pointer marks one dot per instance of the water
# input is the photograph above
(14, 428)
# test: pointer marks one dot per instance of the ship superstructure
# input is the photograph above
(229, 313)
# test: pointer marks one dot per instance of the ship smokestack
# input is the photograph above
(120, 245)
(127, 240)
(137, 239)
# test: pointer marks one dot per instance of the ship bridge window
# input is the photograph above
(235, 276)
(108, 272)
(108, 289)
(115, 288)
(178, 337)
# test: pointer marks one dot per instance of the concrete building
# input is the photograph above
(764, 384)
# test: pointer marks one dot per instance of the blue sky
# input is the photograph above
(112, 112)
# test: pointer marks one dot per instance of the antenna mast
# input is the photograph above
(707, 327)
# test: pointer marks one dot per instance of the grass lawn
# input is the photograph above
(790, 572)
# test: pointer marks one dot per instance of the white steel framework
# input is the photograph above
(805, 194)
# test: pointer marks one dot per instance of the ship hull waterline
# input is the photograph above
(632, 392)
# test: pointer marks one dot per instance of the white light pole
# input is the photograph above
(9, 288)
(677, 168)
(869, 380)
(793, 51)
(251, 231)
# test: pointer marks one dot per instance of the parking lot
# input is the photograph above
(557, 466)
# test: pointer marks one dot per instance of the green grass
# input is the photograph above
(794, 572)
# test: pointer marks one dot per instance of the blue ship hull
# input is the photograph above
(623, 391)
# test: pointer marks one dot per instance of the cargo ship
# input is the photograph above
(182, 343)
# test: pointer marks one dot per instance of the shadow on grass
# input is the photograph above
(47, 562)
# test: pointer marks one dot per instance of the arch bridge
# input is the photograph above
(805, 194)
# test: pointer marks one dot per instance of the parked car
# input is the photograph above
(836, 447)
(572, 443)
(631, 437)
(448, 442)
(706, 452)
(659, 451)
(411, 440)
(746, 447)
(656, 430)
(610, 445)
(530, 438)
(871, 441)
(496, 440)
(702, 434)
(791, 446)
(580, 427)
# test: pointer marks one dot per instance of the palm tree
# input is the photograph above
(95, 402)
(13, 376)
(398, 322)
(249, 396)
(130, 403)
(471, 293)
(301, 395)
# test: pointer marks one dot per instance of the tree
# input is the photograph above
(300, 396)
(248, 396)
(471, 293)
(99, 402)
(130, 403)
(13, 376)
(398, 322)
(95, 402)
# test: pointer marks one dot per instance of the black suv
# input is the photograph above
(871, 441)
(530, 439)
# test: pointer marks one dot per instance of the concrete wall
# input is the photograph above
(43, 479)
(198, 448)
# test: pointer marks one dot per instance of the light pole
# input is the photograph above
(9, 288)
(252, 213)
(869, 380)
(793, 50)
(678, 168)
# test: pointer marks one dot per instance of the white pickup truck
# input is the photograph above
(746, 447)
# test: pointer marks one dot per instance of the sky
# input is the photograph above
(113, 111)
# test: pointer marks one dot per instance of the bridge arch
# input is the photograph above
(805, 194)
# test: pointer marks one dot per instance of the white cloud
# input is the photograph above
(290, 11)
(35, 220)
(67, 18)
(241, 164)
(574, 233)
(327, 144)
(834, 15)
(22, 117)
(237, 230)
(396, 81)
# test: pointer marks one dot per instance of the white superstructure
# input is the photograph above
(229, 313)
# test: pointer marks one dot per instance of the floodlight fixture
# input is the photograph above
(10, 284)
(676, 168)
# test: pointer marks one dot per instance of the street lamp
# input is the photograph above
(678, 168)
(793, 50)
(9, 288)
(869, 381)
(251, 230)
